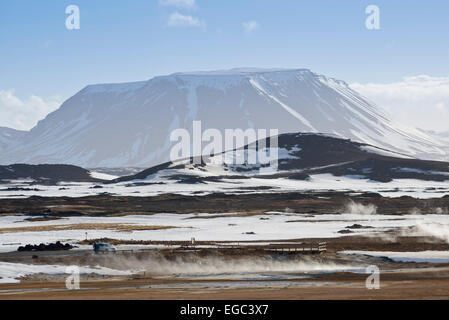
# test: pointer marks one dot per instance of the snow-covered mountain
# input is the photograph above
(129, 125)
(441, 135)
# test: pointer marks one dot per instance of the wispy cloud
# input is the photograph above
(24, 114)
(179, 20)
(421, 101)
(185, 4)
(250, 26)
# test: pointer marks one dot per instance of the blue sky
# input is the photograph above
(133, 40)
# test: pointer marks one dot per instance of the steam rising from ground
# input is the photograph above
(359, 208)
(438, 231)
(438, 210)
(423, 226)
(158, 265)
(441, 211)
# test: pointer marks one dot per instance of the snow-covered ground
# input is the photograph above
(158, 185)
(102, 176)
(270, 226)
(267, 228)
(11, 272)
(421, 256)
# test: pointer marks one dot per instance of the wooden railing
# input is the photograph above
(319, 247)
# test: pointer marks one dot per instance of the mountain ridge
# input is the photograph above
(300, 156)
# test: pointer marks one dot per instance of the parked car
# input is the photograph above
(103, 247)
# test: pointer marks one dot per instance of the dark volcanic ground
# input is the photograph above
(316, 203)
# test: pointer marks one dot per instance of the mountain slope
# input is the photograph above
(300, 156)
(9, 137)
(129, 125)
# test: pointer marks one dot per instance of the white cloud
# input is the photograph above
(250, 26)
(179, 20)
(186, 4)
(24, 114)
(421, 101)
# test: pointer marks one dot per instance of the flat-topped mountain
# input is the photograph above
(129, 125)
